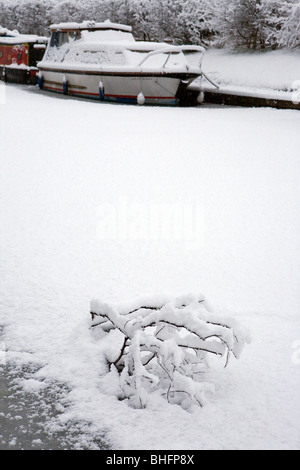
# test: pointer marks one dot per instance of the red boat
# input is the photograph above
(19, 54)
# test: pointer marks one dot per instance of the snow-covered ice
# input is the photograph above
(270, 70)
(273, 75)
(67, 166)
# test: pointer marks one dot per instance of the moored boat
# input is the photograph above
(105, 62)
(19, 54)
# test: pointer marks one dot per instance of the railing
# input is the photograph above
(173, 50)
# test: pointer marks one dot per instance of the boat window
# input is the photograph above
(175, 59)
(58, 38)
(75, 35)
(144, 51)
(104, 56)
(38, 53)
(193, 57)
(159, 59)
(136, 56)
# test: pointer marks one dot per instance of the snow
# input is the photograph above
(70, 161)
(169, 346)
(14, 37)
(269, 75)
(20, 66)
(275, 70)
(91, 24)
(32, 385)
(94, 37)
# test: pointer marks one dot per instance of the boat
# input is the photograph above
(19, 54)
(103, 61)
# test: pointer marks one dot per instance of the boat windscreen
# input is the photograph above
(194, 58)
(58, 38)
(164, 58)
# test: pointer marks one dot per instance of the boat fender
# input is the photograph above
(40, 80)
(101, 91)
(141, 98)
(200, 97)
(65, 85)
(4, 74)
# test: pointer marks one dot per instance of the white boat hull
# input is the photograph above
(161, 89)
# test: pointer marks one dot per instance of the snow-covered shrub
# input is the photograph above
(163, 346)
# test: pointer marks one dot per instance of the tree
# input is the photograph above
(271, 24)
(194, 21)
(28, 17)
(68, 10)
(222, 23)
(34, 17)
(145, 19)
(8, 15)
(290, 29)
(248, 23)
(163, 347)
(239, 24)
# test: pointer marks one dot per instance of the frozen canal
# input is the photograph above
(24, 414)
(24, 417)
(112, 202)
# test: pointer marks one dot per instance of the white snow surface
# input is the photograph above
(267, 71)
(14, 37)
(79, 181)
(85, 25)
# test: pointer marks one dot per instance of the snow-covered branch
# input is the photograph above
(165, 346)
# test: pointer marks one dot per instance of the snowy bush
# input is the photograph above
(162, 345)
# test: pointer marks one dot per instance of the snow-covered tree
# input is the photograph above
(239, 24)
(271, 23)
(34, 17)
(194, 21)
(169, 12)
(7, 15)
(247, 23)
(29, 16)
(163, 347)
(2, 13)
(143, 13)
(68, 10)
(290, 30)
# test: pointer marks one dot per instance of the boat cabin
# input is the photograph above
(19, 55)
(113, 45)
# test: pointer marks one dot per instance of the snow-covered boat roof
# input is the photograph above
(14, 37)
(7, 32)
(90, 25)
